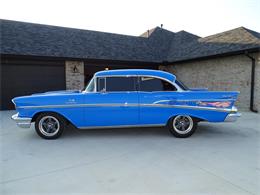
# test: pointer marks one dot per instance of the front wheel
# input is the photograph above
(49, 125)
(182, 126)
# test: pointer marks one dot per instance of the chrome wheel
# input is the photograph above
(182, 124)
(49, 126)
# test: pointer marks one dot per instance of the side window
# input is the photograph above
(101, 86)
(117, 84)
(154, 84)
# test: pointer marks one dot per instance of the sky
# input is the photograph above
(133, 17)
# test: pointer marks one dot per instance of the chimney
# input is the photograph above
(161, 25)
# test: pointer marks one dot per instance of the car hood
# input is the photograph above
(57, 92)
(198, 89)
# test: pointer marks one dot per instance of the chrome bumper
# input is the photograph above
(21, 121)
(232, 117)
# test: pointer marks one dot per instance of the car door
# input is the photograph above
(114, 103)
(156, 97)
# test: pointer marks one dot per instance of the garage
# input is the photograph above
(37, 58)
(26, 77)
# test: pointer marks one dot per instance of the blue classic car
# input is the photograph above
(126, 98)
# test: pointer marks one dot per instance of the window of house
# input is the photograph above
(155, 84)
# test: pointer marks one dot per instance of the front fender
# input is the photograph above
(62, 104)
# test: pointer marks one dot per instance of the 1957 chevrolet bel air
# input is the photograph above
(126, 98)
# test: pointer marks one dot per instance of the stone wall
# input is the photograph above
(221, 74)
(74, 75)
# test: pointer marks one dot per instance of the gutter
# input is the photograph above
(244, 51)
(252, 83)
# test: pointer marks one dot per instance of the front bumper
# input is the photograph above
(22, 121)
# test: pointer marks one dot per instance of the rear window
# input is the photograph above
(155, 84)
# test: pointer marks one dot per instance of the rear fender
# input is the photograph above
(202, 115)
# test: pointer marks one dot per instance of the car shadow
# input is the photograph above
(207, 130)
(71, 131)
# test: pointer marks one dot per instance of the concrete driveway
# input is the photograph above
(217, 159)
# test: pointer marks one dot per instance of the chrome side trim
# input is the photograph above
(190, 107)
(22, 122)
(130, 105)
(232, 117)
(79, 105)
(194, 100)
(121, 126)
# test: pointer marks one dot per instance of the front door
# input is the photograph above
(114, 103)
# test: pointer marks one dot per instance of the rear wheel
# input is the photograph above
(182, 126)
(49, 125)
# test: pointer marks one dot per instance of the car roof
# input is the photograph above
(137, 72)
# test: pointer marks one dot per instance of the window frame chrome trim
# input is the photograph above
(179, 89)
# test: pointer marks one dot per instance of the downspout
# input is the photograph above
(252, 83)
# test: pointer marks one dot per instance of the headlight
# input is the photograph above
(14, 103)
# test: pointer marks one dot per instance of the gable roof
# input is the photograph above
(21, 38)
(236, 40)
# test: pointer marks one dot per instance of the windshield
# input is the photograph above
(181, 84)
(91, 85)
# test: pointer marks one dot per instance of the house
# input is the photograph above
(37, 58)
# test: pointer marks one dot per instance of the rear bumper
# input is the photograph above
(232, 117)
(22, 121)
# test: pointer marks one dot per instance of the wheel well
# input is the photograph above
(39, 113)
(36, 115)
(195, 118)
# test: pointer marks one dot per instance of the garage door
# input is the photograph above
(22, 79)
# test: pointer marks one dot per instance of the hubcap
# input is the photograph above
(182, 124)
(49, 125)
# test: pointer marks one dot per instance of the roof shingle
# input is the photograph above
(20, 38)
(238, 39)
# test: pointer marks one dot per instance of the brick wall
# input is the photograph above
(74, 75)
(221, 74)
(257, 82)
